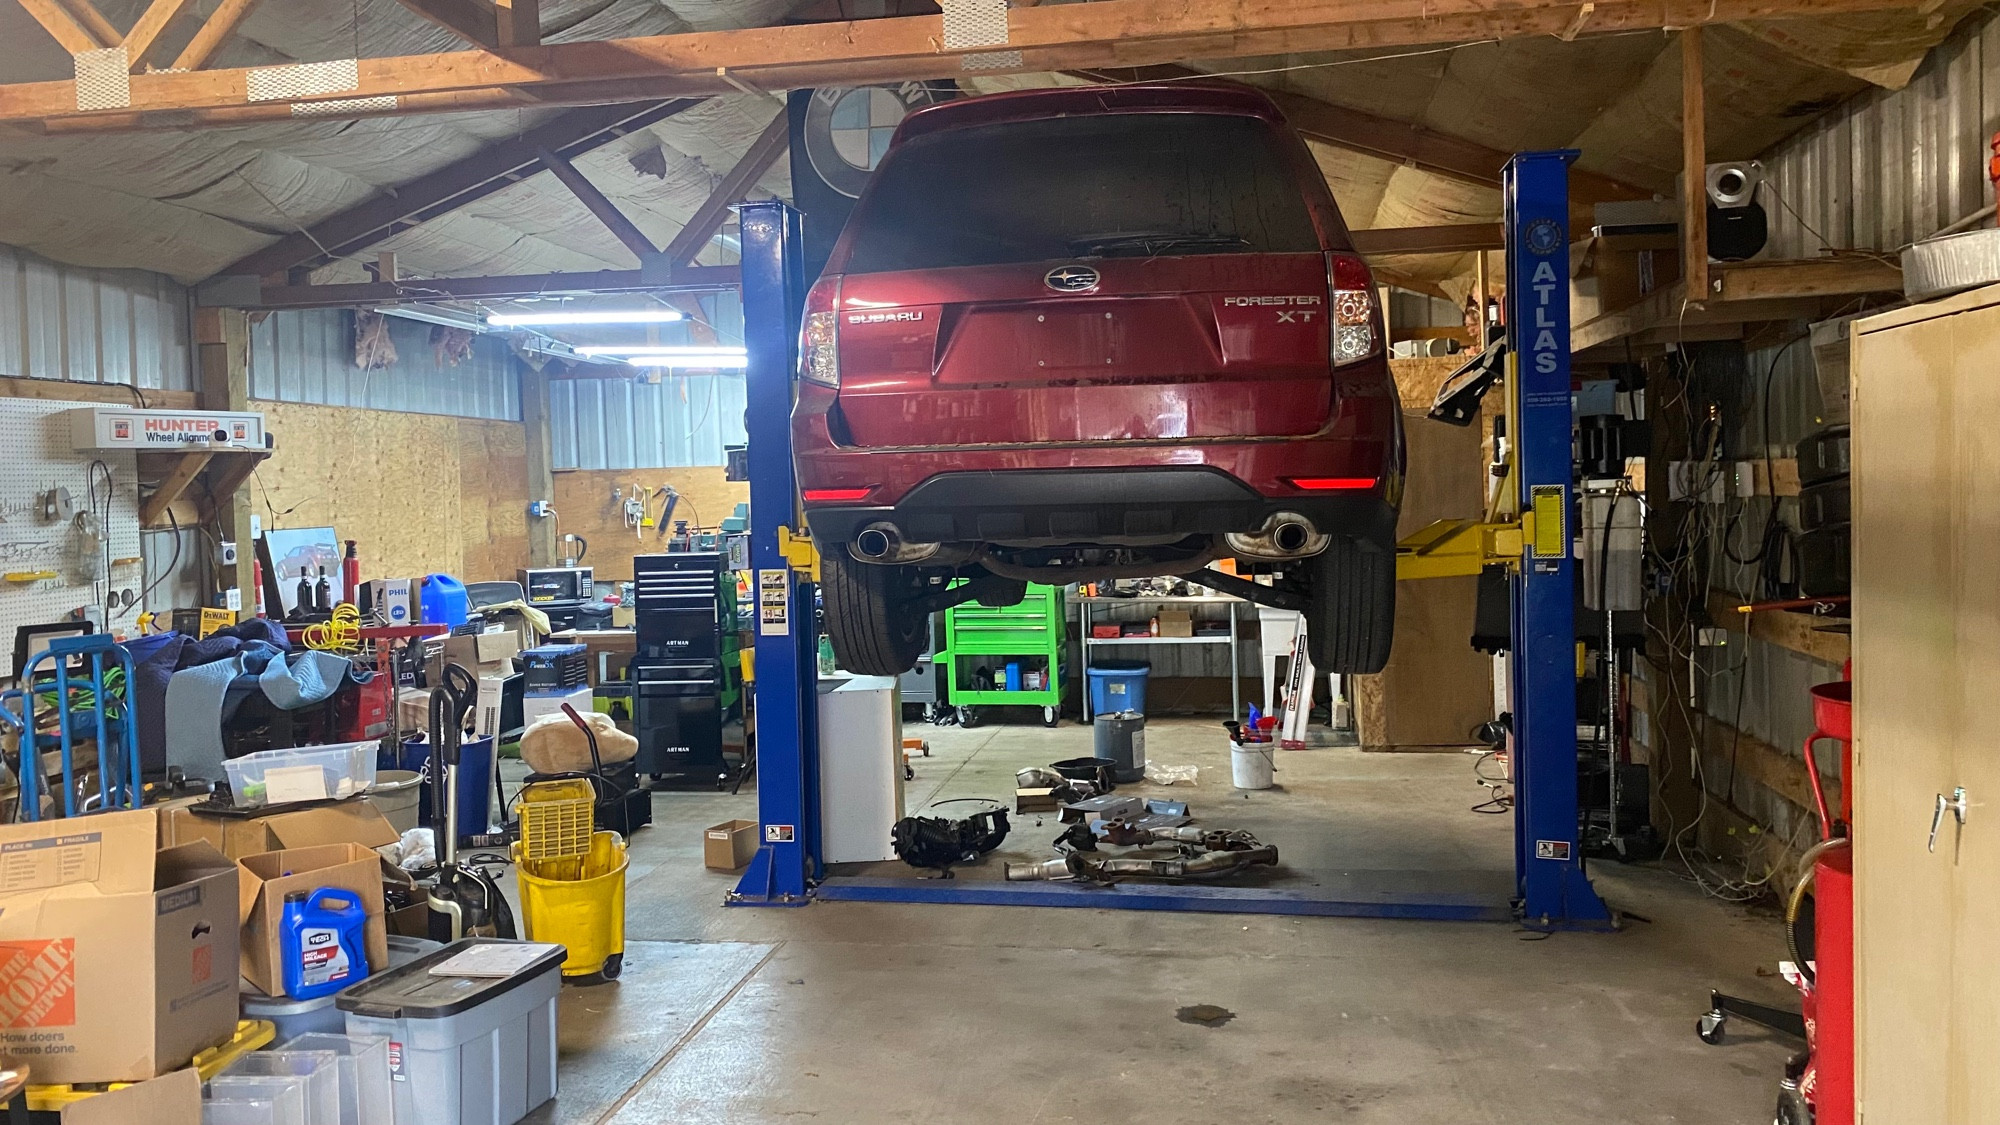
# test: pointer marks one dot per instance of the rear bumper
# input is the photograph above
(1095, 506)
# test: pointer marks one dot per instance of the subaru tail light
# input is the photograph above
(819, 335)
(1357, 326)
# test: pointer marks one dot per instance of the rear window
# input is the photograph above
(1104, 185)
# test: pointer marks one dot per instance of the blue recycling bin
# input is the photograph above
(475, 783)
(1118, 686)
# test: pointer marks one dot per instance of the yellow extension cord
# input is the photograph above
(341, 634)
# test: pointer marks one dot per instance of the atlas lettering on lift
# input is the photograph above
(1545, 346)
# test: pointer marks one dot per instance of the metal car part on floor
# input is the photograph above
(1552, 889)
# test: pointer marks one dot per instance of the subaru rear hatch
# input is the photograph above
(1129, 276)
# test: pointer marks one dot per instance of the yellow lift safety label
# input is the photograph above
(1551, 510)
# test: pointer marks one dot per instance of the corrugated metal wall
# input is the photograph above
(617, 422)
(620, 423)
(92, 325)
(308, 356)
(1890, 167)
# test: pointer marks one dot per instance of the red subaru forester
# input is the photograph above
(1080, 334)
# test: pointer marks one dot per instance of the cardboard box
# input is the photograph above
(1035, 800)
(729, 845)
(172, 1099)
(117, 961)
(1175, 623)
(268, 877)
(486, 714)
(349, 822)
(485, 654)
(540, 704)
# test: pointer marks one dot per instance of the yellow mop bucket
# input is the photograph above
(578, 904)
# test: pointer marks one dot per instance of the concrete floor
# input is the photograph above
(842, 1013)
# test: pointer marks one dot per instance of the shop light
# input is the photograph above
(585, 316)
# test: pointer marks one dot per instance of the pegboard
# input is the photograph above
(40, 458)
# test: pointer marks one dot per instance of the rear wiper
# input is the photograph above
(1153, 243)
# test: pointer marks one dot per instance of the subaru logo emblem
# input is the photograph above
(1071, 279)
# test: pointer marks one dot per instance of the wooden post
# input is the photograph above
(222, 342)
(1694, 169)
(542, 545)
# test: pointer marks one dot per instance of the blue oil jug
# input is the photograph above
(323, 936)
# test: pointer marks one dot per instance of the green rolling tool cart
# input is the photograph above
(1016, 656)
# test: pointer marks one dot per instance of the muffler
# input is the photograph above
(880, 543)
(1285, 535)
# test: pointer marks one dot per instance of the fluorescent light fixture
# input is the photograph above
(715, 359)
(450, 318)
(581, 316)
(662, 350)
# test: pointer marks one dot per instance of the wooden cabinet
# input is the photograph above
(1926, 510)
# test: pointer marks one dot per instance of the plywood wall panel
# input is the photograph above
(585, 506)
(1436, 688)
(493, 498)
(392, 481)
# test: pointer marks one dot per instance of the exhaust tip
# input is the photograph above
(873, 543)
(1291, 537)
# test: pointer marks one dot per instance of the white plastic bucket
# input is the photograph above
(1251, 764)
(395, 795)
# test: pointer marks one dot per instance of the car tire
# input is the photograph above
(869, 616)
(1353, 618)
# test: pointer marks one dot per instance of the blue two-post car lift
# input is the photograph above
(1528, 530)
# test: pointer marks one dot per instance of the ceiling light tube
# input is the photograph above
(661, 350)
(583, 316)
(694, 361)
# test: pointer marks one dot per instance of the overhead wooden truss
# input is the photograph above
(81, 28)
(1102, 33)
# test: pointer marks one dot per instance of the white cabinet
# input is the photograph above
(860, 768)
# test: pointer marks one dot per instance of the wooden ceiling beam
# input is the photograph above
(1403, 142)
(221, 24)
(475, 21)
(93, 21)
(714, 211)
(61, 26)
(154, 20)
(1050, 37)
(695, 279)
(1463, 238)
(518, 22)
(597, 203)
(475, 177)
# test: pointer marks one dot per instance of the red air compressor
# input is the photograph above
(1826, 979)
(1818, 1087)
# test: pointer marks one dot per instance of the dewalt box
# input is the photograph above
(118, 962)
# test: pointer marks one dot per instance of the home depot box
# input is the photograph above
(269, 876)
(117, 961)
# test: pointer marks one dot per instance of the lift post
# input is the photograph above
(787, 690)
(1548, 861)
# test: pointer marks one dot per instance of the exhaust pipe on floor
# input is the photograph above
(880, 543)
(1285, 535)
